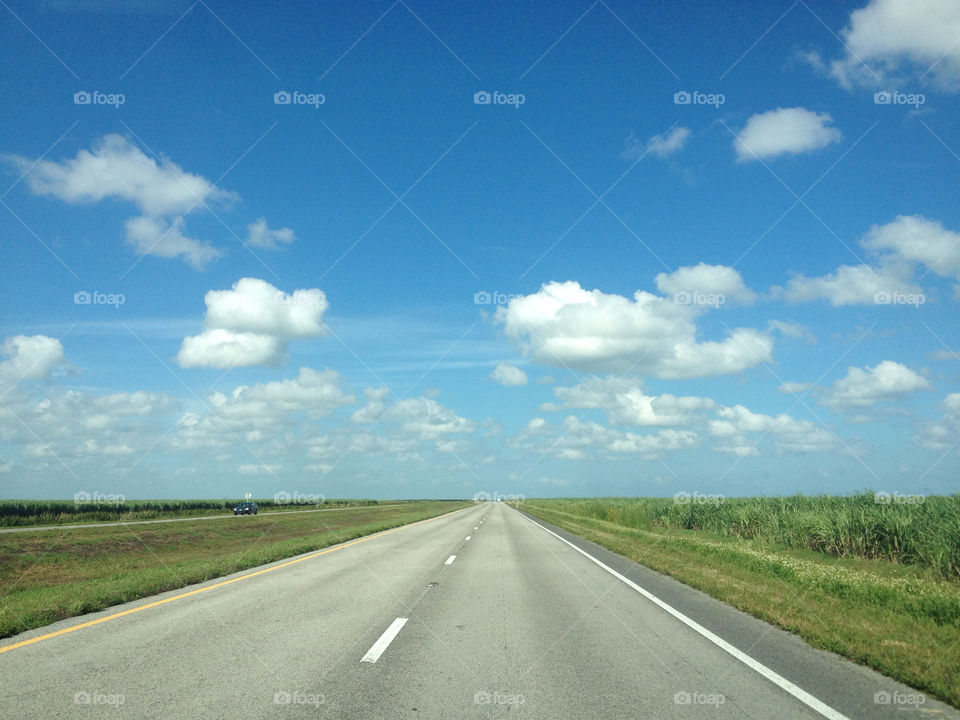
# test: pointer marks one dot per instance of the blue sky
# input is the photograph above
(683, 248)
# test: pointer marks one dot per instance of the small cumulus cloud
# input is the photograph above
(508, 375)
(784, 131)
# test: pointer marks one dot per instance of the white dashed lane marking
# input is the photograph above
(374, 653)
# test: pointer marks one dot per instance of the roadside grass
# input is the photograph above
(23, 513)
(913, 530)
(901, 620)
(50, 575)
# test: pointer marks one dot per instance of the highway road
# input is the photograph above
(481, 613)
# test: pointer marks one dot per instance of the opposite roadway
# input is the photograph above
(520, 620)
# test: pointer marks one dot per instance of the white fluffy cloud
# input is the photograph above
(29, 357)
(251, 324)
(564, 325)
(162, 238)
(672, 142)
(100, 412)
(863, 388)
(784, 130)
(162, 191)
(625, 403)
(420, 416)
(258, 412)
(261, 236)
(944, 434)
(706, 280)
(736, 430)
(403, 429)
(508, 375)
(375, 405)
(914, 238)
(117, 168)
(69, 428)
(219, 348)
(277, 422)
(791, 329)
(659, 145)
(852, 284)
(892, 40)
(895, 247)
(736, 424)
(576, 439)
(428, 419)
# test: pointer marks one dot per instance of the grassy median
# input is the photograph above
(902, 620)
(54, 574)
(25, 513)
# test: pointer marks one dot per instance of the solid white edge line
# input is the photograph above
(450, 560)
(800, 694)
(374, 653)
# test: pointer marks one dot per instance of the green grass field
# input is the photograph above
(16, 513)
(49, 575)
(925, 533)
(876, 582)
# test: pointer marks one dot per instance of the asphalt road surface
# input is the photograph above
(481, 613)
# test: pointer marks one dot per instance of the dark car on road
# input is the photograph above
(245, 508)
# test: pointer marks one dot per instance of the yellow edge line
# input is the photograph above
(156, 603)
